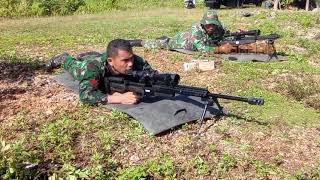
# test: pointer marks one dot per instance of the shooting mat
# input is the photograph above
(156, 114)
(242, 57)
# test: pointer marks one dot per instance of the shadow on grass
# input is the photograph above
(199, 130)
(16, 70)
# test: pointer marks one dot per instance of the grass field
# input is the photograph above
(45, 130)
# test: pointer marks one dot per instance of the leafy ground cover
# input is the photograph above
(47, 132)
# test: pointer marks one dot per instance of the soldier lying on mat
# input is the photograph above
(91, 68)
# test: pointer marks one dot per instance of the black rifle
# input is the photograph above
(151, 83)
(245, 37)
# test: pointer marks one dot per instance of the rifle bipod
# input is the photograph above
(209, 103)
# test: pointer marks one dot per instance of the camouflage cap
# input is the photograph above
(210, 17)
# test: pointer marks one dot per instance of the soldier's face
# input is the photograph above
(121, 63)
(210, 28)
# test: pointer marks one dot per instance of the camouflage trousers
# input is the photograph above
(77, 66)
(72, 65)
(156, 44)
(169, 43)
(259, 46)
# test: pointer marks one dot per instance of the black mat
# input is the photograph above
(157, 114)
(241, 57)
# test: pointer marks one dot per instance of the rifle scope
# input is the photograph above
(255, 32)
(153, 77)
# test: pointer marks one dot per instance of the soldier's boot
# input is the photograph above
(56, 61)
(136, 42)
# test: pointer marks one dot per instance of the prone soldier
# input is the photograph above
(91, 68)
(201, 36)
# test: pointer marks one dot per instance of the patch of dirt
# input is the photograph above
(295, 147)
(315, 61)
(317, 37)
(24, 88)
(309, 33)
(301, 87)
(295, 48)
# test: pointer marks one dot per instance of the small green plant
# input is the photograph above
(14, 158)
(263, 169)
(212, 148)
(165, 167)
(227, 162)
(279, 159)
(201, 166)
(118, 115)
(58, 137)
(246, 147)
(221, 129)
(300, 175)
(135, 172)
(108, 141)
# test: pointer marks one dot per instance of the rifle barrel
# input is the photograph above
(204, 93)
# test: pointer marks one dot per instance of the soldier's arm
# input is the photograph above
(89, 82)
(199, 41)
(92, 95)
(89, 93)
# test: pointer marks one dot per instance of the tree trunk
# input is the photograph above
(307, 5)
(276, 4)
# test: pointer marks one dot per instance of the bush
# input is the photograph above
(18, 8)
(59, 7)
(92, 6)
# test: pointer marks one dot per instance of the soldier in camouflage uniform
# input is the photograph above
(203, 37)
(91, 68)
(197, 39)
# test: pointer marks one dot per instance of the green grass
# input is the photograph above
(87, 142)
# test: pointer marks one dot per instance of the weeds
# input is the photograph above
(14, 161)
(227, 162)
(201, 166)
(302, 88)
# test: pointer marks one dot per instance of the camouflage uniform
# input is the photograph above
(90, 73)
(196, 39)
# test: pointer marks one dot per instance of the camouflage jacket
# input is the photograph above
(91, 72)
(196, 39)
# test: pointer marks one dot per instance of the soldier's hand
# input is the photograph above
(123, 98)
